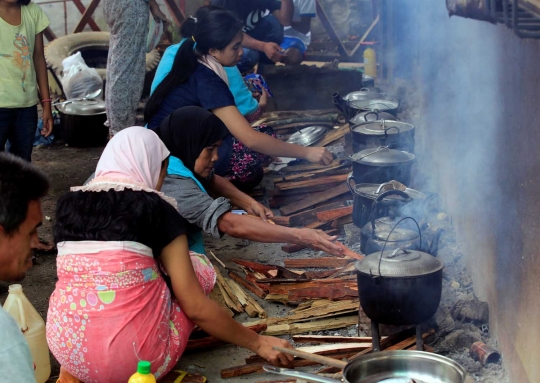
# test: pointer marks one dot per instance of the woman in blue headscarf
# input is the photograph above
(193, 136)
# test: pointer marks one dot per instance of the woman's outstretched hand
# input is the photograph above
(319, 240)
(259, 210)
(264, 350)
(319, 155)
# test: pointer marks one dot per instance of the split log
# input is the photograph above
(318, 325)
(317, 262)
(308, 216)
(314, 199)
(327, 215)
(338, 291)
(251, 307)
(349, 253)
(324, 310)
(333, 135)
(211, 341)
(323, 181)
(217, 297)
(257, 267)
(319, 274)
(286, 288)
(308, 167)
(305, 190)
(409, 341)
(230, 298)
(255, 289)
(314, 173)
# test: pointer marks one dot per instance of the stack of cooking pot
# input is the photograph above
(400, 280)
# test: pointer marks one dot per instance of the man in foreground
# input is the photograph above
(22, 186)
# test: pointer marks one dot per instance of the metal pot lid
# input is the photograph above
(362, 94)
(308, 136)
(376, 104)
(371, 115)
(83, 108)
(378, 128)
(382, 156)
(372, 191)
(383, 227)
(399, 263)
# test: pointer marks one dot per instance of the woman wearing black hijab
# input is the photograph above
(193, 136)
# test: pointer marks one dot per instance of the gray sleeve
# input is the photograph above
(15, 357)
(196, 206)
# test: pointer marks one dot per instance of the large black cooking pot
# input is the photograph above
(399, 287)
(382, 164)
(82, 123)
(394, 134)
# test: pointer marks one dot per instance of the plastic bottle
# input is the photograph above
(143, 374)
(370, 63)
(33, 329)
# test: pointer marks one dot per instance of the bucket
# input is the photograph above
(33, 328)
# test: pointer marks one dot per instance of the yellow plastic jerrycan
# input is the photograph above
(33, 329)
(143, 374)
(370, 62)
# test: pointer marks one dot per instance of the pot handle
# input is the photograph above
(387, 129)
(375, 112)
(349, 178)
(395, 253)
(298, 374)
(379, 199)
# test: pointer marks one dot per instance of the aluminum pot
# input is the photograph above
(364, 196)
(391, 366)
(395, 134)
(382, 164)
(82, 123)
(369, 115)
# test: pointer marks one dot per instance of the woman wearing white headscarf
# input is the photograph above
(128, 288)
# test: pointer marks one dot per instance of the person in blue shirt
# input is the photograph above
(198, 78)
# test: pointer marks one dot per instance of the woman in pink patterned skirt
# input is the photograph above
(128, 288)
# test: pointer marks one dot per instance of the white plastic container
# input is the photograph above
(33, 327)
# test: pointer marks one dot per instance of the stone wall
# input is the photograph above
(478, 138)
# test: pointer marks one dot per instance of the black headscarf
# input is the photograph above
(188, 130)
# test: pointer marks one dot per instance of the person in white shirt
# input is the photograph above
(22, 186)
(298, 35)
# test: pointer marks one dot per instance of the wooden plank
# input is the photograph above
(80, 6)
(318, 325)
(308, 216)
(314, 199)
(317, 262)
(308, 167)
(87, 15)
(286, 288)
(327, 215)
(345, 168)
(349, 253)
(211, 341)
(311, 182)
(308, 189)
(334, 135)
(332, 339)
(337, 291)
(315, 312)
(247, 285)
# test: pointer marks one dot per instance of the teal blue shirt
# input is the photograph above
(242, 96)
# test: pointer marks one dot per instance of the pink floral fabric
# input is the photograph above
(245, 164)
(111, 308)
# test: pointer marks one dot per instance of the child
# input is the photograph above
(22, 72)
(297, 36)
